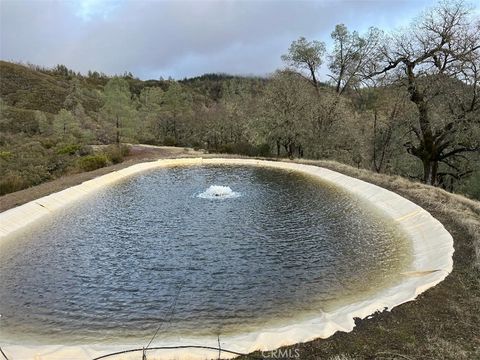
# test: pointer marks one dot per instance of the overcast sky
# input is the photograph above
(153, 38)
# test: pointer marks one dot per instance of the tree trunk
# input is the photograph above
(291, 149)
(430, 168)
(427, 146)
(300, 151)
(314, 78)
(426, 151)
(338, 88)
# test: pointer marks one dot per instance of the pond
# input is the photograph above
(198, 250)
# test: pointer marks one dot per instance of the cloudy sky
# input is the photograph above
(153, 38)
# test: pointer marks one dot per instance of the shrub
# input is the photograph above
(169, 141)
(35, 174)
(115, 153)
(125, 149)
(10, 183)
(197, 145)
(85, 150)
(263, 150)
(17, 120)
(471, 186)
(6, 155)
(226, 149)
(48, 143)
(69, 149)
(92, 162)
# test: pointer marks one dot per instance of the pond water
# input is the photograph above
(162, 248)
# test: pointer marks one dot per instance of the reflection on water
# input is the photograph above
(109, 267)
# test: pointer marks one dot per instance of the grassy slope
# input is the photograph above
(28, 89)
(24, 88)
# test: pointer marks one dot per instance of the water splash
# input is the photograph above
(218, 192)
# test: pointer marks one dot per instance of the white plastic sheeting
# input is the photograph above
(432, 262)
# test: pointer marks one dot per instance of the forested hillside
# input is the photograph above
(404, 103)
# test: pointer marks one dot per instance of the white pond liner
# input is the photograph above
(432, 262)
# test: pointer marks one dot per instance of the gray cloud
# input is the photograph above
(179, 38)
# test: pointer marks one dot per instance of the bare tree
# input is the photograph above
(351, 55)
(440, 50)
(388, 111)
(285, 112)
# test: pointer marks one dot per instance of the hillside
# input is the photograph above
(24, 88)
(49, 118)
(36, 88)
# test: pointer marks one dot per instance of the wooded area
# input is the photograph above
(403, 103)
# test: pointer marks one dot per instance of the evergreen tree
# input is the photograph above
(118, 107)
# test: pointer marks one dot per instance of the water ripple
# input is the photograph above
(110, 266)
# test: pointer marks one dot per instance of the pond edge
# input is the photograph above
(432, 261)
